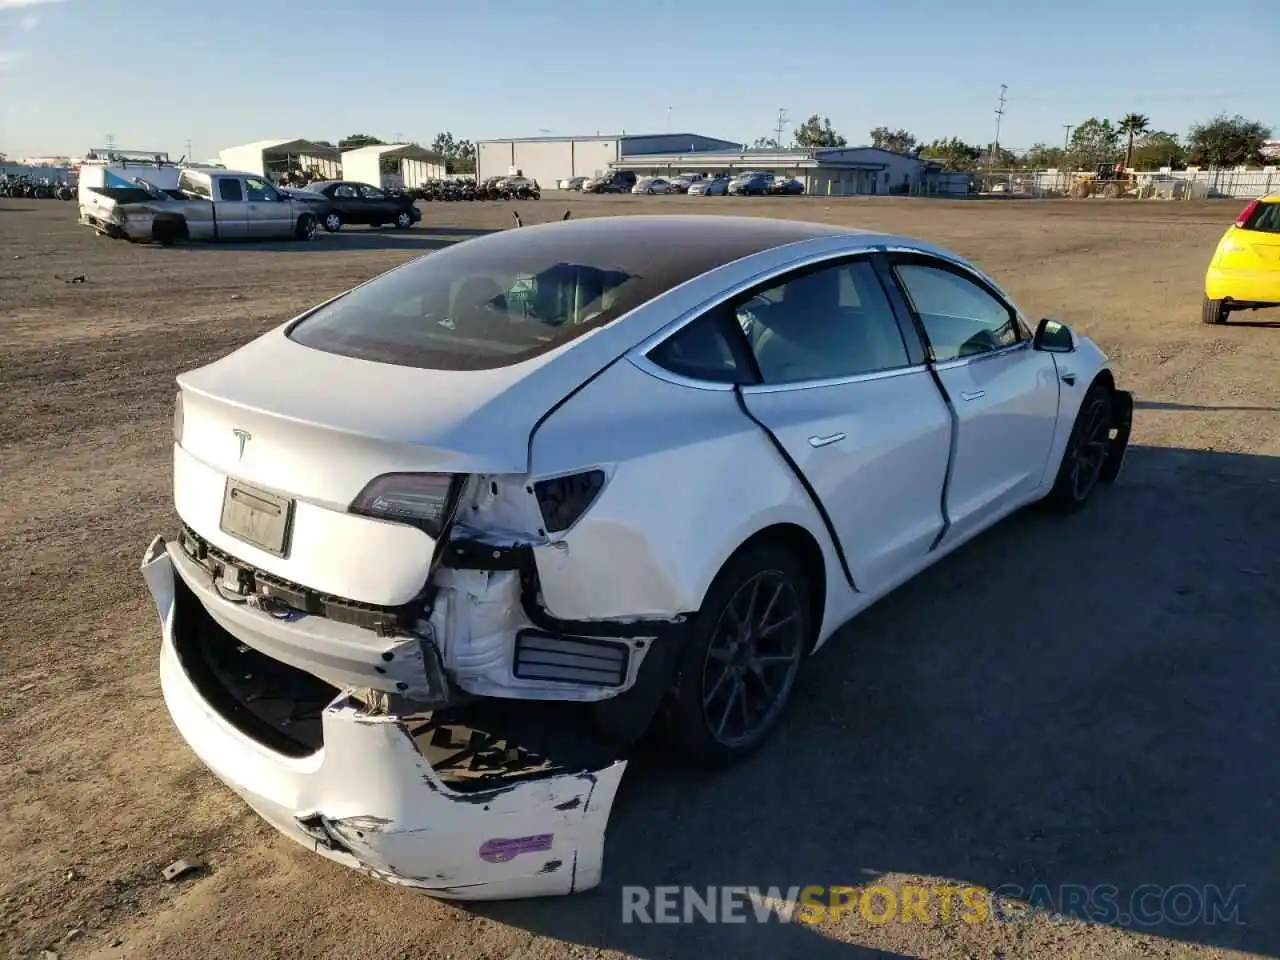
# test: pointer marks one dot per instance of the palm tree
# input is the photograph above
(1133, 124)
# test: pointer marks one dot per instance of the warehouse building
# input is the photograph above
(271, 158)
(824, 171)
(548, 159)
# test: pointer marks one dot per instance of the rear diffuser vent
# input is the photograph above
(581, 660)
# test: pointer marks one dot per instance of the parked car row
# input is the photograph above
(750, 183)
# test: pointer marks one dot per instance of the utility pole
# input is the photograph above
(995, 146)
(1066, 141)
(668, 118)
(111, 144)
(187, 144)
(781, 125)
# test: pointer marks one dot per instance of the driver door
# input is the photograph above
(377, 205)
(270, 215)
(1005, 395)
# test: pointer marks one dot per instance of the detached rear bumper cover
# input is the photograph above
(371, 800)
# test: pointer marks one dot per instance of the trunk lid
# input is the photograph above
(308, 430)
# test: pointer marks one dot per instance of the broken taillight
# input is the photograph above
(564, 499)
(420, 499)
(1246, 215)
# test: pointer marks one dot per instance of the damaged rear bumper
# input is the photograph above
(410, 800)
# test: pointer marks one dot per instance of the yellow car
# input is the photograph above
(1244, 273)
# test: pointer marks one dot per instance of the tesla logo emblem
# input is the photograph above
(242, 437)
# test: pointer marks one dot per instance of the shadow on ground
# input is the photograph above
(1085, 700)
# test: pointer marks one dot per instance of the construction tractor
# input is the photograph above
(1105, 180)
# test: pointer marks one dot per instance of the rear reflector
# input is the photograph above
(1246, 214)
(581, 660)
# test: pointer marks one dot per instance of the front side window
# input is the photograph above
(960, 317)
(259, 190)
(822, 324)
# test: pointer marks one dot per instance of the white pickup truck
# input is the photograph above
(206, 204)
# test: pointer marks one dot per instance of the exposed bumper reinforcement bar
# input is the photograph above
(376, 796)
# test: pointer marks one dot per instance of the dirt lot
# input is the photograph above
(1086, 701)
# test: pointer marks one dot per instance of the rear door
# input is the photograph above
(1005, 394)
(845, 393)
(270, 215)
(231, 209)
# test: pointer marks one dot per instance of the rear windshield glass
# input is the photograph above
(501, 299)
(1266, 218)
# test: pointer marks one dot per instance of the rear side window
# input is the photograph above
(701, 351)
(229, 190)
(193, 187)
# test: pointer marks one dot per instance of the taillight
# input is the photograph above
(1246, 215)
(177, 419)
(420, 499)
(564, 499)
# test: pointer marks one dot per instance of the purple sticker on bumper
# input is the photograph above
(502, 849)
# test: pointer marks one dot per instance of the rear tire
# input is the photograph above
(1086, 452)
(404, 220)
(739, 665)
(333, 222)
(1213, 311)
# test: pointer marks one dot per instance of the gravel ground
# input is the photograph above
(1079, 701)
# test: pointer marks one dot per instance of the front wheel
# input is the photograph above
(404, 220)
(1213, 311)
(333, 222)
(306, 228)
(1086, 452)
(740, 663)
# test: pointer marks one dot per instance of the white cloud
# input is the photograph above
(29, 22)
(8, 58)
(17, 4)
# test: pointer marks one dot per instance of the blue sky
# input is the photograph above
(156, 73)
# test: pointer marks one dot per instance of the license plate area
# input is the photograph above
(257, 517)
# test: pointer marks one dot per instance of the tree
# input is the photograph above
(459, 155)
(766, 143)
(954, 154)
(1093, 142)
(899, 141)
(357, 140)
(1043, 157)
(1227, 141)
(1131, 125)
(817, 132)
(1158, 149)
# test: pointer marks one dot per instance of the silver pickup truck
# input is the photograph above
(208, 204)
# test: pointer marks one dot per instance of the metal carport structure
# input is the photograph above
(404, 165)
(272, 158)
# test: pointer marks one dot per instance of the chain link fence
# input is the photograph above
(1190, 184)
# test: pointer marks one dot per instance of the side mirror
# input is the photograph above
(1054, 336)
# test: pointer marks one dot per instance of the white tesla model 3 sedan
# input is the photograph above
(641, 466)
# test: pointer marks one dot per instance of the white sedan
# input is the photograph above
(638, 466)
(651, 185)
